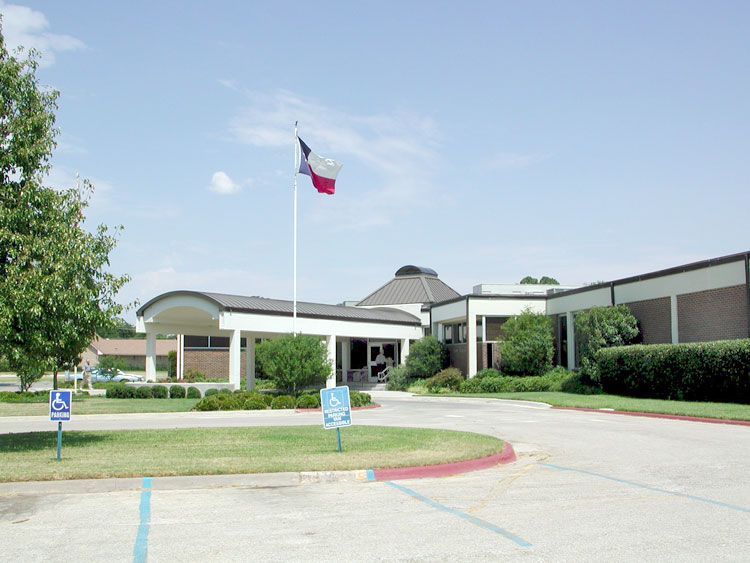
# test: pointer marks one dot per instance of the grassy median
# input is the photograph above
(203, 451)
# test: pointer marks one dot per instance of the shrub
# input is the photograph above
(268, 398)
(120, 391)
(397, 379)
(359, 399)
(111, 362)
(210, 392)
(426, 357)
(527, 344)
(143, 392)
(294, 361)
(487, 372)
(283, 402)
(701, 371)
(177, 392)
(193, 393)
(602, 327)
(159, 392)
(472, 385)
(254, 403)
(224, 391)
(449, 378)
(308, 401)
(194, 376)
(211, 403)
(172, 363)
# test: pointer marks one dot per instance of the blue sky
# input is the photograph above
(487, 140)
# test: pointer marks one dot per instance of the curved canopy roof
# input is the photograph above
(261, 305)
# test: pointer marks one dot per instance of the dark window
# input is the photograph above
(196, 341)
(359, 354)
(219, 342)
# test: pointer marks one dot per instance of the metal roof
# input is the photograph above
(405, 289)
(264, 306)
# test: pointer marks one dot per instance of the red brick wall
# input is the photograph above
(715, 314)
(654, 318)
(214, 363)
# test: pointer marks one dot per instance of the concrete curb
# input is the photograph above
(659, 415)
(444, 469)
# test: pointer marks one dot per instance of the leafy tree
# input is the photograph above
(111, 363)
(54, 289)
(528, 280)
(602, 327)
(294, 361)
(120, 329)
(527, 344)
(548, 281)
(427, 356)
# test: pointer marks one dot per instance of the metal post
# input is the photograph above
(59, 439)
(338, 436)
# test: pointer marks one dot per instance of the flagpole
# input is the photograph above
(296, 169)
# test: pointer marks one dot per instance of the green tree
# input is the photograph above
(294, 361)
(54, 287)
(528, 280)
(426, 357)
(120, 329)
(546, 280)
(602, 327)
(527, 344)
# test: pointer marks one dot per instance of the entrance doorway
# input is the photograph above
(386, 352)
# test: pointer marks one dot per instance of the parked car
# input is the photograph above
(101, 374)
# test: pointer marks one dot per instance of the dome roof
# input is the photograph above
(412, 284)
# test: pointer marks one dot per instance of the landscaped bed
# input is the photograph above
(203, 451)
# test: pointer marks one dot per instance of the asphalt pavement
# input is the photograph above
(586, 487)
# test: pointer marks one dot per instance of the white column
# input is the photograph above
(484, 329)
(250, 362)
(675, 320)
(331, 344)
(404, 350)
(179, 364)
(346, 350)
(150, 356)
(235, 357)
(471, 342)
(571, 340)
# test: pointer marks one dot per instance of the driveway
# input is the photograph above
(586, 487)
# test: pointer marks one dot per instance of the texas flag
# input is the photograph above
(323, 171)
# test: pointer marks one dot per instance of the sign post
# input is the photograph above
(59, 410)
(337, 410)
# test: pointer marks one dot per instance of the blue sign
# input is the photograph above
(59, 404)
(337, 410)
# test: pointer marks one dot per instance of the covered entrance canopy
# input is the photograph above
(238, 317)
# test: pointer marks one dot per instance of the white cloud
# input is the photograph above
(221, 183)
(24, 27)
(399, 148)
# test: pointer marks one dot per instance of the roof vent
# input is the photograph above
(415, 271)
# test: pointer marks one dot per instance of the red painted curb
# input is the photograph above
(375, 406)
(444, 469)
(659, 415)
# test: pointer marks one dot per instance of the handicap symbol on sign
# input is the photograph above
(59, 404)
(333, 401)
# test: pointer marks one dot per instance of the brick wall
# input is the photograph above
(716, 314)
(457, 353)
(214, 363)
(654, 318)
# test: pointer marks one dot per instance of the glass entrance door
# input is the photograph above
(380, 355)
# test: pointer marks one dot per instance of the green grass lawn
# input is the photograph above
(729, 411)
(202, 451)
(101, 405)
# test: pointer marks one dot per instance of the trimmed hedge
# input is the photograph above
(143, 392)
(359, 399)
(308, 401)
(553, 380)
(193, 393)
(702, 371)
(177, 392)
(283, 402)
(254, 403)
(120, 391)
(449, 378)
(210, 392)
(159, 392)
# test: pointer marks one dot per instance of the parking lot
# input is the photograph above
(586, 487)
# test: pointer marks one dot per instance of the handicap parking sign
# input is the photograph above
(59, 404)
(336, 408)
